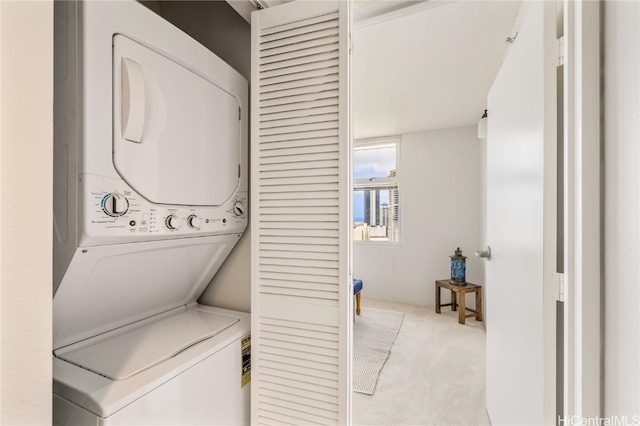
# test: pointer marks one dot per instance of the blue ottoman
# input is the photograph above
(357, 291)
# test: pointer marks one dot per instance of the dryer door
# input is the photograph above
(176, 134)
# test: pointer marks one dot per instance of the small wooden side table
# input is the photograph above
(460, 301)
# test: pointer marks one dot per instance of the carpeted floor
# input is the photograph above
(435, 374)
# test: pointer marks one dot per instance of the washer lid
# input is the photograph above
(109, 287)
(138, 349)
(176, 134)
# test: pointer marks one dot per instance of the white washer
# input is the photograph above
(150, 196)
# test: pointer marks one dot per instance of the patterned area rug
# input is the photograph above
(373, 335)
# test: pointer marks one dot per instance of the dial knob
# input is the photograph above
(115, 204)
(194, 221)
(172, 221)
(238, 208)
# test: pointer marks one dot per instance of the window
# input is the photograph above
(375, 190)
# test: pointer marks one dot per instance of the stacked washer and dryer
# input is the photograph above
(150, 188)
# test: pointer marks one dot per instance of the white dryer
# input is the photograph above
(150, 196)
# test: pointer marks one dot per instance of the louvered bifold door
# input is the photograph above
(300, 192)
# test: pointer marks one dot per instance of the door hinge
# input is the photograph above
(239, 170)
(560, 43)
(554, 287)
(239, 113)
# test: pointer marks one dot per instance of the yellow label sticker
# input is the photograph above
(245, 353)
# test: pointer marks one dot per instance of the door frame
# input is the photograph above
(582, 210)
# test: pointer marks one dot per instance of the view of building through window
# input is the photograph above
(375, 191)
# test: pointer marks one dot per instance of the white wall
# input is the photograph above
(214, 24)
(622, 217)
(441, 208)
(230, 288)
(26, 146)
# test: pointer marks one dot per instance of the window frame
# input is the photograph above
(372, 183)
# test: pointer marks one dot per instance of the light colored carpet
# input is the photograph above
(374, 332)
(435, 374)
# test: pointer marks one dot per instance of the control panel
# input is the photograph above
(114, 213)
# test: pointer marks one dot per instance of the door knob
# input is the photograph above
(484, 253)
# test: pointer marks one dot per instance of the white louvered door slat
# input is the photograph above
(297, 108)
(311, 61)
(286, 34)
(300, 208)
(314, 99)
(311, 118)
(312, 72)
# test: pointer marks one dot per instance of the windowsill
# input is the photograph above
(377, 243)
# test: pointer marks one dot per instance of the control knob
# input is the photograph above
(238, 208)
(115, 204)
(194, 221)
(172, 221)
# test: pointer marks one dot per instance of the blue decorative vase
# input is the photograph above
(458, 268)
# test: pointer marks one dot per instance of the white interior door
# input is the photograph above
(521, 108)
(300, 200)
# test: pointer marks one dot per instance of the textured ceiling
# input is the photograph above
(430, 69)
